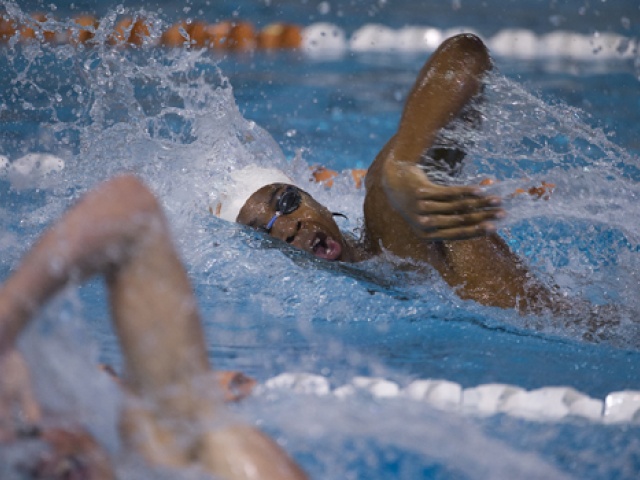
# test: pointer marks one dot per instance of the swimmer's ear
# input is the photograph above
(338, 214)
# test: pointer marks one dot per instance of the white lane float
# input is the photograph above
(518, 43)
(545, 404)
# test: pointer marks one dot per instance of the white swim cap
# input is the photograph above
(244, 183)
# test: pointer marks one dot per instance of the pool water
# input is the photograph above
(182, 119)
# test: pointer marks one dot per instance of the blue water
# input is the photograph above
(180, 119)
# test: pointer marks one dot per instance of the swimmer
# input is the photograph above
(407, 214)
(171, 416)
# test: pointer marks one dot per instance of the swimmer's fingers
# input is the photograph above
(75, 454)
(460, 233)
(458, 206)
(430, 223)
(439, 211)
(430, 216)
(448, 193)
(456, 227)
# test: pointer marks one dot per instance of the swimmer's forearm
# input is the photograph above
(446, 84)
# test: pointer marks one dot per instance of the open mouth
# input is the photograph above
(325, 247)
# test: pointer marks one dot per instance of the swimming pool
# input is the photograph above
(182, 119)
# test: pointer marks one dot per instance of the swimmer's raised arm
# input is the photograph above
(447, 83)
(109, 231)
(449, 227)
(119, 230)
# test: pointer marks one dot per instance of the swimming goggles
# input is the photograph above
(288, 202)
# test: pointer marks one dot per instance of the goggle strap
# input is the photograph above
(273, 220)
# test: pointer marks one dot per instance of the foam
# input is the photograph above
(30, 169)
(510, 43)
(546, 404)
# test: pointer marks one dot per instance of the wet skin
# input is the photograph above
(450, 227)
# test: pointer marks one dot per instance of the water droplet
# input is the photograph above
(626, 23)
(324, 8)
(556, 20)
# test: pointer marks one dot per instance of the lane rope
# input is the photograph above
(547, 404)
(317, 39)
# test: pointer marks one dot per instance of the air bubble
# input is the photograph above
(625, 22)
(324, 8)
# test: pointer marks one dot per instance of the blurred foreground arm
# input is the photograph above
(119, 230)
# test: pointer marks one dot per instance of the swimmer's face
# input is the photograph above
(293, 216)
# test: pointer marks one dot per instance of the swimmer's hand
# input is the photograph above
(72, 453)
(439, 212)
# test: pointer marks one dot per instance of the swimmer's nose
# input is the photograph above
(286, 228)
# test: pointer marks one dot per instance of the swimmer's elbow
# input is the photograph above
(129, 190)
(471, 50)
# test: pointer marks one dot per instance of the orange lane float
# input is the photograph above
(87, 25)
(218, 34)
(487, 181)
(180, 34)
(543, 191)
(36, 31)
(177, 35)
(198, 34)
(242, 37)
(130, 31)
(359, 175)
(8, 29)
(235, 35)
(279, 36)
(140, 31)
(320, 174)
(222, 35)
(291, 37)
